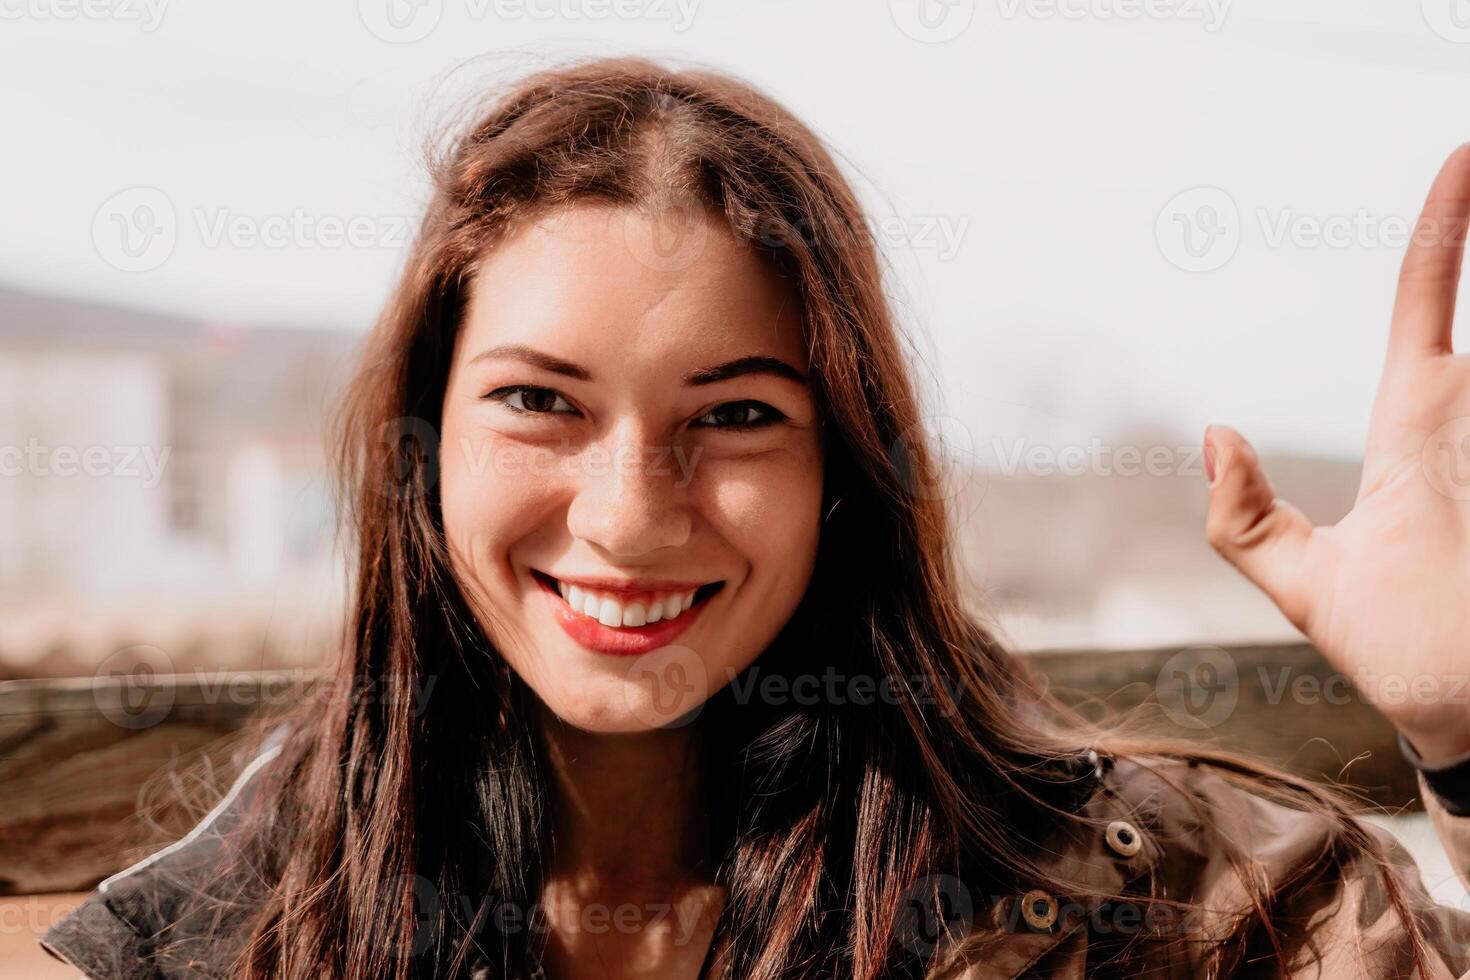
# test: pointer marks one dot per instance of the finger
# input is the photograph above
(1424, 309)
(1261, 535)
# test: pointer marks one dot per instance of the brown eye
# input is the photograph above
(537, 400)
(530, 400)
(740, 415)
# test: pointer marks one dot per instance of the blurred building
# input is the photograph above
(1111, 558)
(162, 482)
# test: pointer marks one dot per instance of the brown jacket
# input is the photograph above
(1330, 908)
(1151, 839)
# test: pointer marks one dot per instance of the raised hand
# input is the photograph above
(1384, 594)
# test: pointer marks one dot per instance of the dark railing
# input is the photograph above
(91, 769)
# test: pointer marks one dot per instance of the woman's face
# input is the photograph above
(630, 465)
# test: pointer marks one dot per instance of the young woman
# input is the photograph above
(657, 658)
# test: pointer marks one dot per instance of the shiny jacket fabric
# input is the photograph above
(1154, 840)
(1158, 831)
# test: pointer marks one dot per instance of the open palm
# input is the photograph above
(1384, 594)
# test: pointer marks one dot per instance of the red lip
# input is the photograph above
(623, 641)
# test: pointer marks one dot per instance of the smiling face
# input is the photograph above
(630, 464)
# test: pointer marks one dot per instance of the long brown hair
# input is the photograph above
(826, 814)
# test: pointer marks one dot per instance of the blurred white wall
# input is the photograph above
(83, 492)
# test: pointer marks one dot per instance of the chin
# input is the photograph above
(630, 716)
(661, 690)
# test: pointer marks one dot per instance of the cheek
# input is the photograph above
(467, 499)
(487, 503)
(770, 511)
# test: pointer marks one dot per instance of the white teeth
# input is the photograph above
(610, 611)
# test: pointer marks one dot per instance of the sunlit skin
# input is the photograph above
(1384, 594)
(550, 462)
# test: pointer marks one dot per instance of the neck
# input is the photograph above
(628, 811)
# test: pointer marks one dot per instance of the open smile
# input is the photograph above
(624, 618)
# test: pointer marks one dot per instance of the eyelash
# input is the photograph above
(772, 415)
(503, 394)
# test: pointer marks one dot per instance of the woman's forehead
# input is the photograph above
(585, 278)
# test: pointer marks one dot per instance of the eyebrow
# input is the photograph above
(533, 357)
(753, 364)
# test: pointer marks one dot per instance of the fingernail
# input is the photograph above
(1209, 457)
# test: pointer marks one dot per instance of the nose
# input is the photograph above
(628, 503)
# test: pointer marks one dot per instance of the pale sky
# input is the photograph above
(1033, 153)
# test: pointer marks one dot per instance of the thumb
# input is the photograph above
(1260, 534)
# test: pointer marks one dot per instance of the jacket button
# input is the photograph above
(1124, 838)
(1038, 909)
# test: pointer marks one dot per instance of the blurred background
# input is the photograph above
(1107, 224)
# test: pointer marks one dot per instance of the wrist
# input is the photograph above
(1448, 779)
(1438, 746)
